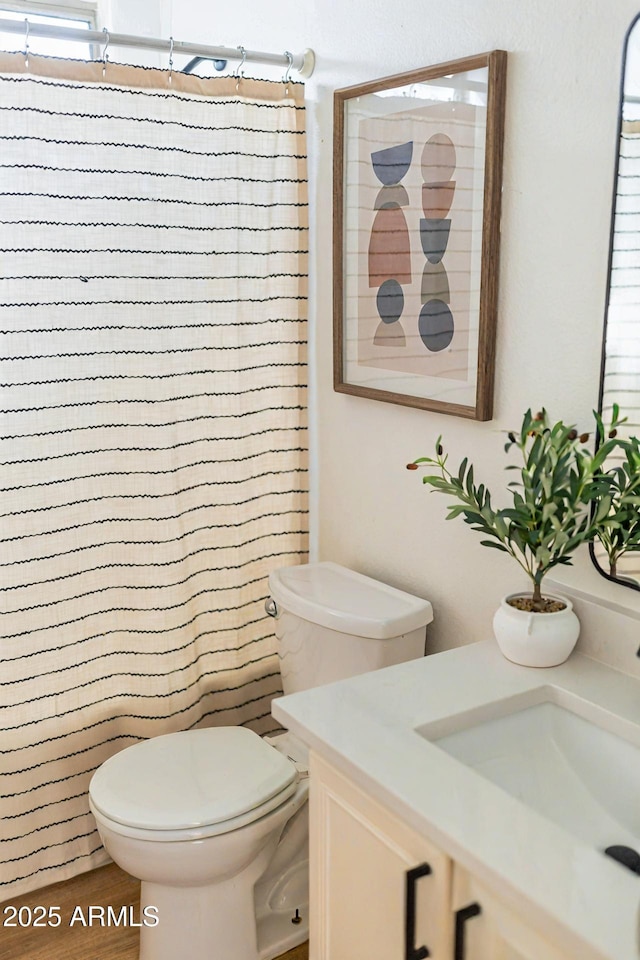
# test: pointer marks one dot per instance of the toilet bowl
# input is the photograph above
(214, 822)
(197, 817)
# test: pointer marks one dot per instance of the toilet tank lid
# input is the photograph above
(333, 596)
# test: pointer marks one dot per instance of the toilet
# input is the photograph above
(214, 821)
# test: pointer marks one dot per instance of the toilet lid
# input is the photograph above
(190, 779)
(340, 599)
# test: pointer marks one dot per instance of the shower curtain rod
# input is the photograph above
(302, 63)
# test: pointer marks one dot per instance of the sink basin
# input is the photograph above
(571, 770)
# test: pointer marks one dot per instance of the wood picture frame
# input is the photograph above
(416, 208)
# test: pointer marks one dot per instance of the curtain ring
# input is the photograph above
(105, 58)
(238, 73)
(26, 43)
(170, 59)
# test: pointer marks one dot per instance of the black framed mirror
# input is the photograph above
(620, 369)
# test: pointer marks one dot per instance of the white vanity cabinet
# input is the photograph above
(360, 854)
(484, 929)
(381, 891)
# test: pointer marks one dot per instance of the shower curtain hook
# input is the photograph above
(287, 73)
(26, 43)
(239, 74)
(105, 58)
(170, 59)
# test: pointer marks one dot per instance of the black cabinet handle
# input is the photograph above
(466, 913)
(411, 952)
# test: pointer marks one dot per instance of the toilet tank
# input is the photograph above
(332, 623)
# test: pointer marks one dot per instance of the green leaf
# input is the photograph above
(469, 483)
(501, 527)
(494, 544)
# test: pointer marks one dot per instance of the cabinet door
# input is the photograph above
(484, 929)
(363, 882)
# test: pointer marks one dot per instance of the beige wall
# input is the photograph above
(564, 65)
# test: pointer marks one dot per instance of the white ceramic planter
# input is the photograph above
(536, 639)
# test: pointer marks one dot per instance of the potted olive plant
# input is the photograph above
(558, 503)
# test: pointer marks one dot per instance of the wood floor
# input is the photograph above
(108, 886)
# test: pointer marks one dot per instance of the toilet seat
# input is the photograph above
(192, 784)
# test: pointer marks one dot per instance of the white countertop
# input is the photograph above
(366, 726)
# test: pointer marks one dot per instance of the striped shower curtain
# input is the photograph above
(153, 240)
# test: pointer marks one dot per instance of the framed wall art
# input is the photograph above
(417, 184)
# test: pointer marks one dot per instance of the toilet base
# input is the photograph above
(282, 910)
(203, 921)
(265, 922)
(276, 935)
